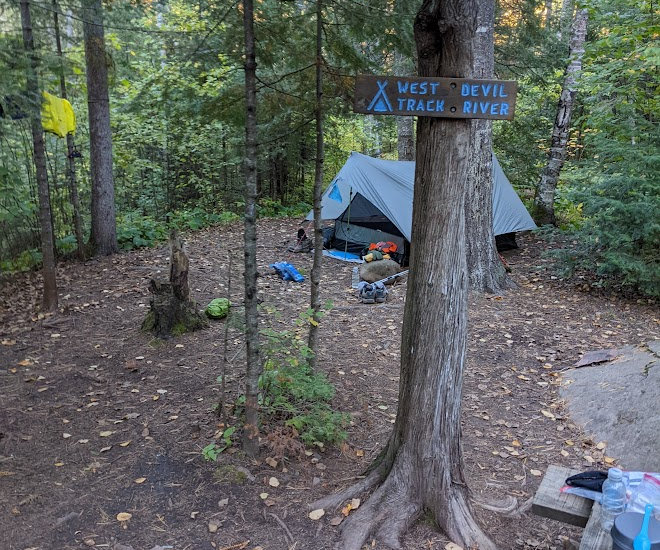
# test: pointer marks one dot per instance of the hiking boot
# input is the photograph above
(366, 293)
(381, 293)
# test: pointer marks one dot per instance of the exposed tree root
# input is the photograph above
(456, 520)
(397, 503)
(338, 499)
(505, 506)
(387, 515)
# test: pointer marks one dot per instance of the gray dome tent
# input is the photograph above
(371, 200)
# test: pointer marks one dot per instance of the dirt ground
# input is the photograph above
(98, 419)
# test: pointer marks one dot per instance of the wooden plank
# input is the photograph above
(550, 503)
(594, 536)
(435, 97)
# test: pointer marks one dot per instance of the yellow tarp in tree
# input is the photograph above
(57, 115)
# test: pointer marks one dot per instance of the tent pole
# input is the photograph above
(348, 228)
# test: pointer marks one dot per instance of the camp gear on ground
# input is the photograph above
(389, 280)
(355, 277)
(384, 247)
(379, 196)
(376, 271)
(632, 479)
(302, 244)
(628, 525)
(366, 293)
(287, 272)
(344, 256)
(218, 308)
(381, 293)
(370, 293)
(57, 115)
(647, 492)
(374, 256)
(642, 540)
(592, 480)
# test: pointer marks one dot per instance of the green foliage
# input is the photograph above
(292, 394)
(135, 231)
(213, 450)
(268, 208)
(617, 180)
(25, 261)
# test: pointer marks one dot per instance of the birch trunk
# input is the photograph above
(103, 238)
(49, 299)
(565, 17)
(253, 370)
(544, 201)
(485, 270)
(318, 188)
(422, 465)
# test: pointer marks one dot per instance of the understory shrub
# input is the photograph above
(292, 394)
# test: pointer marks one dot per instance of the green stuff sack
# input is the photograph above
(218, 308)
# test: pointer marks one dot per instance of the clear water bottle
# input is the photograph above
(614, 497)
(355, 277)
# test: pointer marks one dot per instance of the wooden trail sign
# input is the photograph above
(435, 97)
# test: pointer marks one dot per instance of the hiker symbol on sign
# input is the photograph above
(380, 103)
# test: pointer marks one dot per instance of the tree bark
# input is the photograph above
(254, 367)
(422, 467)
(565, 17)
(544, 201)
(71, 162)
(485, 270)
(548, 13)
(315, 299)
(49, 299)
(405, 139)
(103, 238)
(172, 311)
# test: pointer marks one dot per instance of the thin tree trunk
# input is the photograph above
(422, 466)
(544, 201)
(315, 301)
(103, 238)
(548, 13)
(251, 431)
(405, 139)
(49, 300)
(71, 162)
(565, 17)
(485, 270)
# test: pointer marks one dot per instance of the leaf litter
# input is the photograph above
(518, 344)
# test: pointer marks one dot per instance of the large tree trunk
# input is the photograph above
(422, 465)
(544, 201)
(318, 188)
(251, 431)
(103, 238)
(71, 161)
(485, 270)
(49, 299)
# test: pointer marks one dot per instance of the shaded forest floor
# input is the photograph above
(98, 418)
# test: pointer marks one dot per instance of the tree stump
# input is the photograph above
(172, 311)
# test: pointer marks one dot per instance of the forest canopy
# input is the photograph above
(176, 91)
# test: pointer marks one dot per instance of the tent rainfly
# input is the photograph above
(371, 200)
